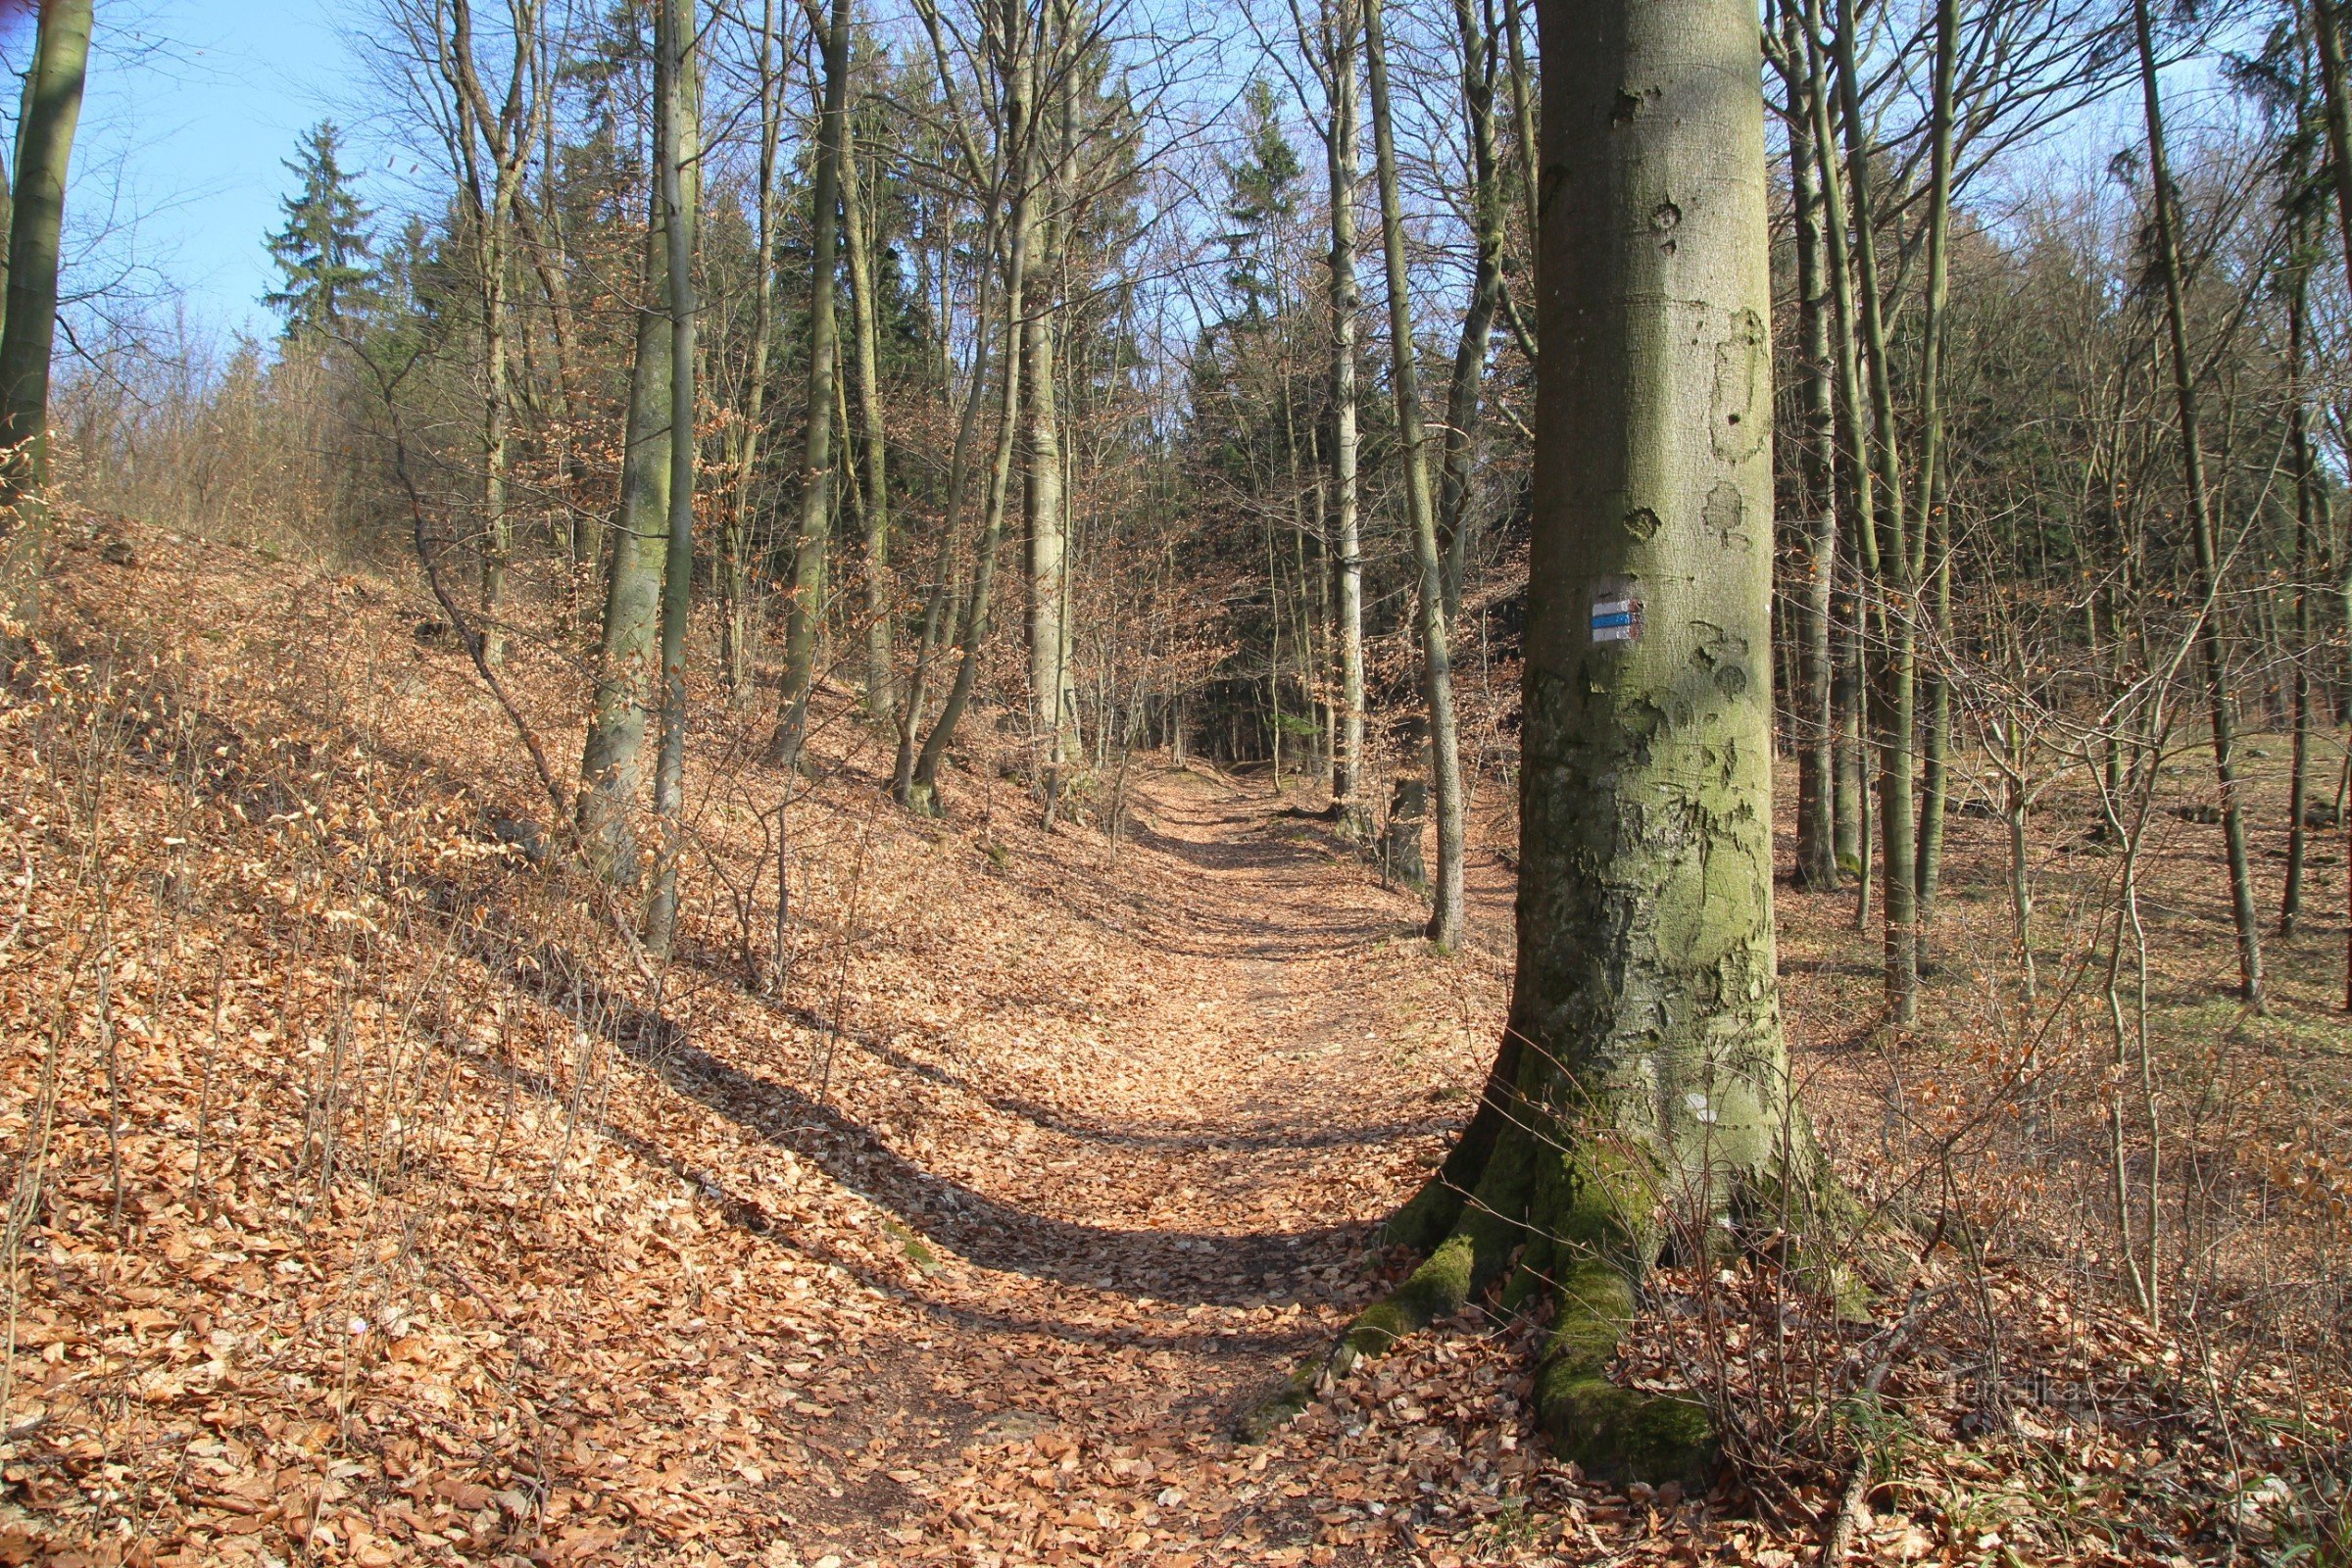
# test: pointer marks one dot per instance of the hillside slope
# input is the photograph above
(375, 1199)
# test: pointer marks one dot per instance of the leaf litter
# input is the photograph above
(374, 1202)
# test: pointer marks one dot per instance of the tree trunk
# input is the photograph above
(2213, 657)
(2298, 794)
(1437, 672)
(1340, 30)
(498, 533)
(1846, 827)
(611, 762)
(857, 215)
(1486, 293)
(940, 598)
(1814, 702)
(1930, 536)
(739, 621)
(44, 149)
(1851, 806)
(539, 226)
(1643, 1072)
(677, 142)
(1047, 544)
(807, 605)
(922, 791)
(505, 130)
(1889, 600)
(1523, 122)
(2327, 21)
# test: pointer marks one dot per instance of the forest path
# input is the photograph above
(1159, 1212)
(1051, 1154)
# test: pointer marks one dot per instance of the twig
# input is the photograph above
(848, 942)
(471, 637)
(23, 906)
(25, 1200)
(466, 632)
(1847, 1522)
(204, 1096)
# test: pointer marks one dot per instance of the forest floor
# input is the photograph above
(374, 1202)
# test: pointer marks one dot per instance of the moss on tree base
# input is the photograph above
(1619, 1435)
(1437, 1289)
(1615, 1434)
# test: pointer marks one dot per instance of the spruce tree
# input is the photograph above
(324, 252)
(1261, 199)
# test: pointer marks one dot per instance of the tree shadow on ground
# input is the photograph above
(1193, 1268)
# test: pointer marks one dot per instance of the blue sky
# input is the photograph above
(193, 106)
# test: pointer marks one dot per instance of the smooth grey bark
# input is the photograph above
(2213, 657)
(857, 221)
(1052, 684)
(1645, 919)
(611, 762)
(1045, 597)
(677, 141)
(738, 624)
(1799, 61)
(805, 614)
(1642, 1067)
(1444, 929)
(45, 153)
(1338, 29)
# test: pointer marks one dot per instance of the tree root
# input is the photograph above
(1437, 1289)
(1615, 1434)
(1589, 1260)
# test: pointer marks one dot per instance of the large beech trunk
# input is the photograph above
(1643, 1075)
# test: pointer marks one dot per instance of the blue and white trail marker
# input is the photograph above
(1616, 611)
